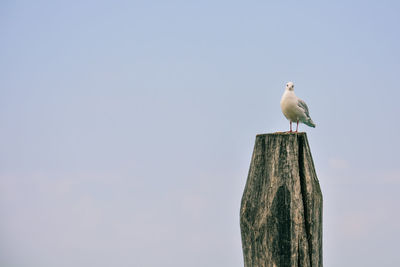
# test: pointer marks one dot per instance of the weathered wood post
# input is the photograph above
(281, 209)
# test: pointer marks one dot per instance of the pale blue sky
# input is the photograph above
(127, 127)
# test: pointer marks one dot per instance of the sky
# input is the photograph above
(127, 127)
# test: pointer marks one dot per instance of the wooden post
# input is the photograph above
(281, 209)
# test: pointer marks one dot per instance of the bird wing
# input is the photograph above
(303, 105)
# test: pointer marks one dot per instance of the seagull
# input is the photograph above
(295, 109)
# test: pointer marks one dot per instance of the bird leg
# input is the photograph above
(297, 126)
(290, 127)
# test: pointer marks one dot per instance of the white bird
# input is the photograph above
(295, 109)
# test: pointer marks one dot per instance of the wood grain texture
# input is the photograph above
(281, 209)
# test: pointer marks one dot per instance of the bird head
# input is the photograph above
(290, 86)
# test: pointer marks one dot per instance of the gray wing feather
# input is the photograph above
(303, 105)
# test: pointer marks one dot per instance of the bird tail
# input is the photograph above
(310, 123)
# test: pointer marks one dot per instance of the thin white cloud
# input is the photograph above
(338, 164)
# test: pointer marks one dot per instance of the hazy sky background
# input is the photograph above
(127, 127)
